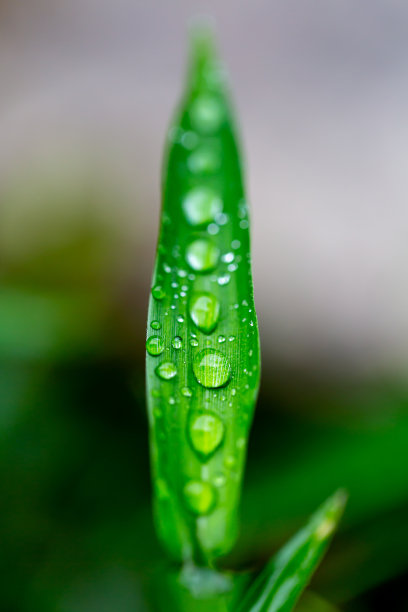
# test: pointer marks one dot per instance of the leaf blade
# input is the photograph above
(280, 584)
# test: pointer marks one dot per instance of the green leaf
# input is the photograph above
(203, 359)
(281, 583)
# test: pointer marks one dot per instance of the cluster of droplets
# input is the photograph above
(203, 209)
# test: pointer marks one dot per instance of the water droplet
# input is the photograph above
(231, 339)
(177, 342)
(232, 267)
(221, 218)
(180, 319)
(189, 140)
(221, 339)
(172, 401)
(207, 114)
(206, 433)
(201, 205)
(155, 345)
(233, 391)
(213, 229)
(166, 268)
(241, 442)
(219, 480)
(202, 255)
(186, 392)
(193, 342)
(155, 325)
(228, 257)
(204, 310)
(235, 244)
(166, 370)
(224, 280)
(205, 160)
(230, 461)
(199, 496)
(158, 292)
(244, 224)
(211, 368)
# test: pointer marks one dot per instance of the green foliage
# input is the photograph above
(281, 583)
(202, 344)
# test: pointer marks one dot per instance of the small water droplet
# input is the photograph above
(166, 370)
(186, 392)
(158, 292)
(213, 229)
(202, 255)
(155, 325)
(189, 140)
(228, 257)
(241, 443)
(219, 480)
(177, 342)
(204, 311)
(231, 339)
(174, 285)
(221, 218)
(206, 433)
(230, 461)
(172, 400)
(232, 267)
(155, 345)
(201, 205)
(166, 268)
(221, 339)
(211, 368)
(244, 224)
(193, 342)
(182, 273)
(180, 319)
(250, 353)
(207, 114)
(199, 497)
(251, 323)
(224, 280)
(233, 391)
(235, 244)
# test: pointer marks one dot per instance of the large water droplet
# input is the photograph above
(206, 433)
(207, 114)
(155, 345)
(158, 292)
(211, 368)
(202, 255)
(205, 160)
(166, 370)
(201, 205)
(199, 496)
(204, 310)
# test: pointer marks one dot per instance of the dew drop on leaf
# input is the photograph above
(206, 433)
(201, 205)
(199, 497)
(155, 325)
(207, 114)
(155, 345)
(177, 342)
(158, 292)
(166, 370)
(204, 310)
(202, 255)
(211, 368)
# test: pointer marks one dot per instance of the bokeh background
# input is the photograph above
(87, 89)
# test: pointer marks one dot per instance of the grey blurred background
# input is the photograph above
(321, 90)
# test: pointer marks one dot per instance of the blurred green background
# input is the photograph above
(87, 92)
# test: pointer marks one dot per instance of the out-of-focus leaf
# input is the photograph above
(281, 583)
